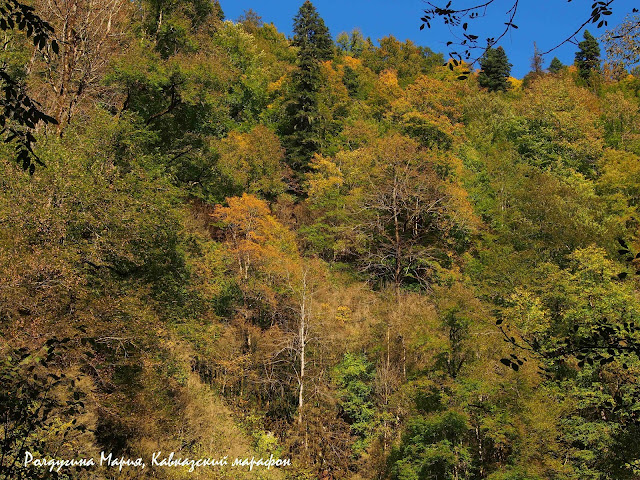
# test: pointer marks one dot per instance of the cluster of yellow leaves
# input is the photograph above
(570, 111)
(621, 177)
(253, 161)
(516, 84)
(333, 98)
(431, 103)
(328, 177)
(253, 231)
(351, 62)
(386, 90)
(264, 250)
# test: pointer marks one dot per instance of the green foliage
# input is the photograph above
(38, 408)
(352, 44)
(556, 65)
(171, 22)
(181, 213)
(351, 81)
(406, 58)
(253, 162)
(455, 309)
(588, 57)
(620, 113)
(354, 376)
(311, 35)
(19, 113)
(494, 70)
(432, 447)
(300, 129)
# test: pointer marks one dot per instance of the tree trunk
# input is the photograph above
(303, 343)
(398, 246)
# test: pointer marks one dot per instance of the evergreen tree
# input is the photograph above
(217, 10)
(311, 35)
(351, 81)
(314, 43)
(588, 57)
(495, 70)
(556, 65)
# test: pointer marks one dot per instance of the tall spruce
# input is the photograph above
(495, 70)
(588, 57)
(301, 135)
(311, 35)
(217, 10)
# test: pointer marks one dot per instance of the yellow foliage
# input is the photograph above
(386, 90)
(252, 161)
(621, 175)
(351, 62)
(333, 95)
(326, 177)
(389, 79)
(343, 314)
(572, 114)
(431, 104)
(250, 218)
(516, 84)
(264, 250)
(277, 85)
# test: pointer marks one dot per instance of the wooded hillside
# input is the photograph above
(332, 251)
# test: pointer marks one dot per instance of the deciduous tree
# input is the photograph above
(253, 161)
(622, 43)
(91, 33)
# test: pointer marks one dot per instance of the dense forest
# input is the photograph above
(220, 241)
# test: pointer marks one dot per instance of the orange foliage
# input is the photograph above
(263, 248)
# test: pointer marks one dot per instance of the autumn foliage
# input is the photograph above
(338, 253)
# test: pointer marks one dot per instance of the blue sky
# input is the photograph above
(547, 22)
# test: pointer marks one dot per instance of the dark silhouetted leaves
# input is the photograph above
(23, 112)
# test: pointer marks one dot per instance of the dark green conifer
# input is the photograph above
(495, 70)
(314, 43)
(217, 10)
(588, 57)
(311, 35)
(351, 80)
(556, 65)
